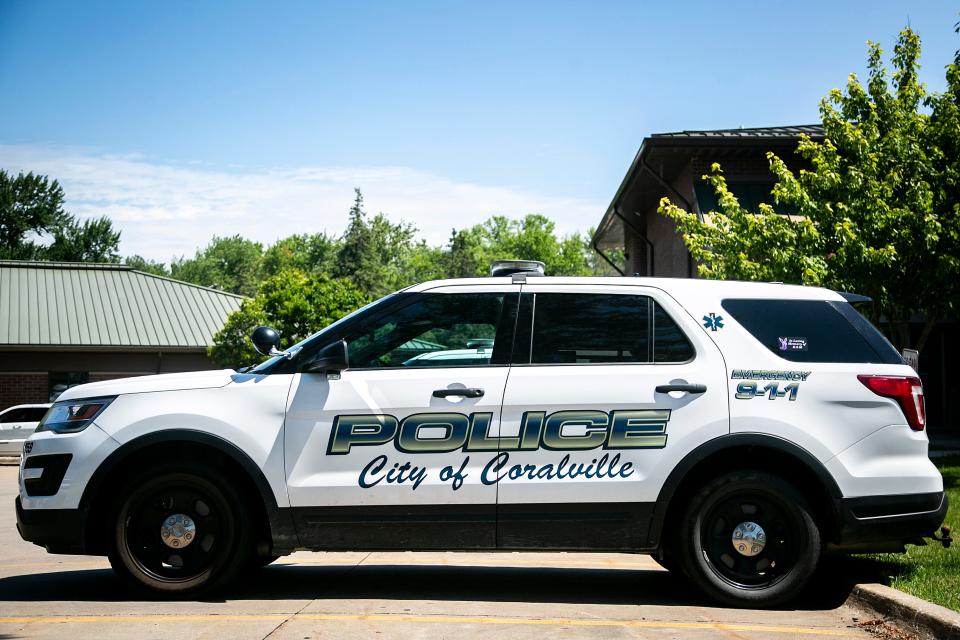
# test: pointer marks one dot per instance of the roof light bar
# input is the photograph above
(510, 267)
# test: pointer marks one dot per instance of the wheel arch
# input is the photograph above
(278, 525)
(747, 450)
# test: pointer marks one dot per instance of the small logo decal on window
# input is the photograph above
(792, 344)
(713, 322)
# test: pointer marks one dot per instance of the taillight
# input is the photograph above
(907, 391)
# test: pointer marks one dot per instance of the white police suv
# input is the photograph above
(737, 431)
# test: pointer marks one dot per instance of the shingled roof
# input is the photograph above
(67, 304)
(793, 131)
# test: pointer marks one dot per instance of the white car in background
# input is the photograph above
(18, 423)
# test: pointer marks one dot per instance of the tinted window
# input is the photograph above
(809, 331)
(437, 330)
(17, 415)
(34, 414)
(669, 342)
(589, 327)
(27, 414)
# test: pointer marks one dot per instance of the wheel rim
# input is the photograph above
(751, 540)
(177, 532)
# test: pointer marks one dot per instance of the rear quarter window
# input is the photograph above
(812, 330)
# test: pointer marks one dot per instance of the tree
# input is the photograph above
(30, 207)
(147, 266)
(944, 149)
(533, 237)
(868, 217)
(89, 241)
(374, 252)
(311, 253)
(294, 303)
(228, 263)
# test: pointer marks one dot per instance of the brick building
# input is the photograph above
(637, 240)
(63, 324)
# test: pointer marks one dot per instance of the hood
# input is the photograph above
(147, 384)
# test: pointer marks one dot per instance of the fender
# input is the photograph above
(731, 441)
(280, 522)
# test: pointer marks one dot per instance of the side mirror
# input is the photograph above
(332, 358)
(266, 341)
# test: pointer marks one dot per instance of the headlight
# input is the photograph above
(71, 416)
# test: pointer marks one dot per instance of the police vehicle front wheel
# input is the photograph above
(748, 540)
(179, 532)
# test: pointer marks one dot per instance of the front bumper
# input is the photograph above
(59, 530)
(876, 524)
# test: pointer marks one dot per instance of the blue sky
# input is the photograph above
(184, 120)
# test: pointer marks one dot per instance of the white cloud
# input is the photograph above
(166, 209)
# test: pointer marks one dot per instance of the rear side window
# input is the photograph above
(812, 330)
(669, 342)
(591, 328)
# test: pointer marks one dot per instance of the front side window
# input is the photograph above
(436, 330)
(16, 415)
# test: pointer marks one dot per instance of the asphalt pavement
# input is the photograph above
(397, 595)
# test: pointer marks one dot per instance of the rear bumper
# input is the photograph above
(874, 524)
(59, 530)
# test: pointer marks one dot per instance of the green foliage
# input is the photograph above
(31, 208)
(736, 244)
(876, 212)
(147, 266)
(374, 252)
(293, 302)
(472, 250)
(88, 241)
(310, 253)
(229, 263)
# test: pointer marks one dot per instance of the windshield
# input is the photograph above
(265, 366)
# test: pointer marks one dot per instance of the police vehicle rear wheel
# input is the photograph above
(179, 532)
(748, 539)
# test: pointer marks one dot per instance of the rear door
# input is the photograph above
(611, 386)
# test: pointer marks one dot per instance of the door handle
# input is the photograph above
(466, 393)
(689, 388)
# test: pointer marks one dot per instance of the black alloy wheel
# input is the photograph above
(180, 532)
(748, 539)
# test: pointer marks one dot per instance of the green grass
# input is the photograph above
(931, 572)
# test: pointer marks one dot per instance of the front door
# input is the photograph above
(611, 387)
(379, 457)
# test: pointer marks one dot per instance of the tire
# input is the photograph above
(178, 532)
(765, 572)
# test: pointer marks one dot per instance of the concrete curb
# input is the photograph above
(922, 617)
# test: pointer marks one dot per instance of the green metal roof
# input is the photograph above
(105, 305)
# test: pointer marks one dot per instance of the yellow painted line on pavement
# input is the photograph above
(426, 619)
